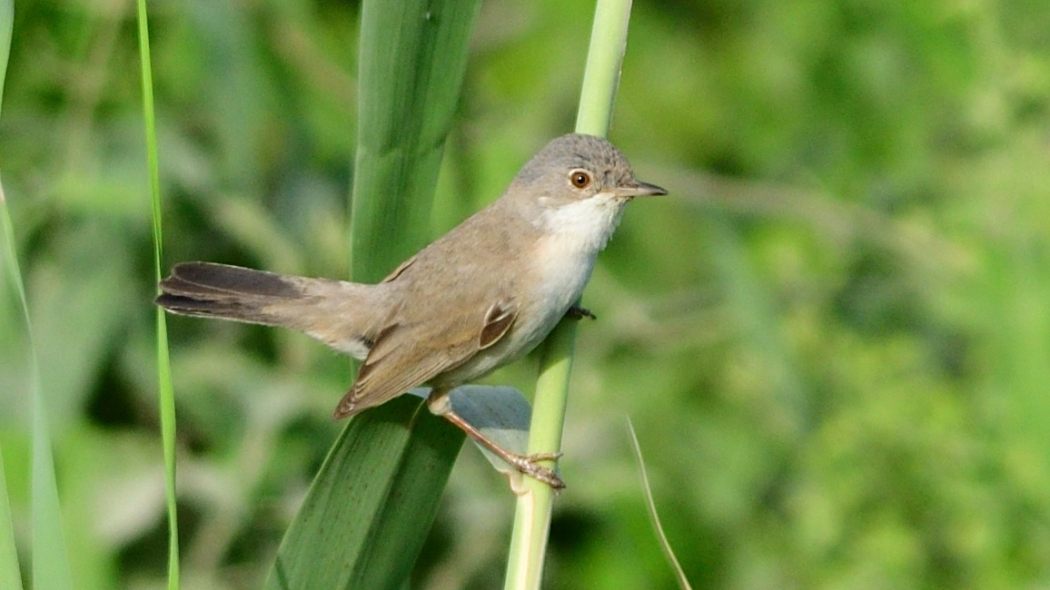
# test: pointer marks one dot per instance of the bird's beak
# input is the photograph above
(637, 188)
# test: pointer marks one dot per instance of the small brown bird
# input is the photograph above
(479, 297)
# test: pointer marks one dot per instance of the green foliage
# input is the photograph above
(535, 503)
(10, 573)
(50, 562)
(831, 337)
(365, 518)
(413, 56)
(165, 388)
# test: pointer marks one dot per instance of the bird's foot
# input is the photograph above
(578, 312)
(529, 465)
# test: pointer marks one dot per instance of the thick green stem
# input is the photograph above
(533, 513)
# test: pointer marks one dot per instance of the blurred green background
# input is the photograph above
(833, 338)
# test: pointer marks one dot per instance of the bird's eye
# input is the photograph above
(580, 179)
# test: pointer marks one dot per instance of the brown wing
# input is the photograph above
(498, 319)
(399, 360)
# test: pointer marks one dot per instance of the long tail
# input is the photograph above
(338, 313)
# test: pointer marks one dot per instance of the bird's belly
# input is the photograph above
(558, 279)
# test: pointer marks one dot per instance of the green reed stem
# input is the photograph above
(533, 512)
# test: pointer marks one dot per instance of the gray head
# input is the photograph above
(576, 188)
(575, 167)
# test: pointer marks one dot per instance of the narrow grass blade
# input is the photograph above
(532, 516)
(50, 560)
(166, 391)
(370, 507)
(50, 563)
(650, 504)
(10, 574)
(7, 18)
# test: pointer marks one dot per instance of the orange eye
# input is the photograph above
(580, 179)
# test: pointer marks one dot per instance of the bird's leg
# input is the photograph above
(578, 312)
(439, 405)
(527, 464)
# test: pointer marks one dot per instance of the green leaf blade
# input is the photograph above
(413, 58)
(50, 561)
(165, 387)
(360, 525)
(370, 508)
(10, 574)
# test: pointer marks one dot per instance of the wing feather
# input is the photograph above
(396, 364)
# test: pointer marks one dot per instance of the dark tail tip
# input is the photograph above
(207, 278)
(224, 308)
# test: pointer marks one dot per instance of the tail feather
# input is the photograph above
(223, 308)
(338, 313)
(206, 289)
(210, 279)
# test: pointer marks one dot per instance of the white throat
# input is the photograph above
(571, 235)
(584, 226)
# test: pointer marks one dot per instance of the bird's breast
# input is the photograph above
(569, 242)
(562, 269)
(559, 272)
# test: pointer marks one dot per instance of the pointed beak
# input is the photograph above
(637, 188)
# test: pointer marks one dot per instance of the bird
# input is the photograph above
(481, 296)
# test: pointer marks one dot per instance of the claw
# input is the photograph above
(529, 466)
(578, 312)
